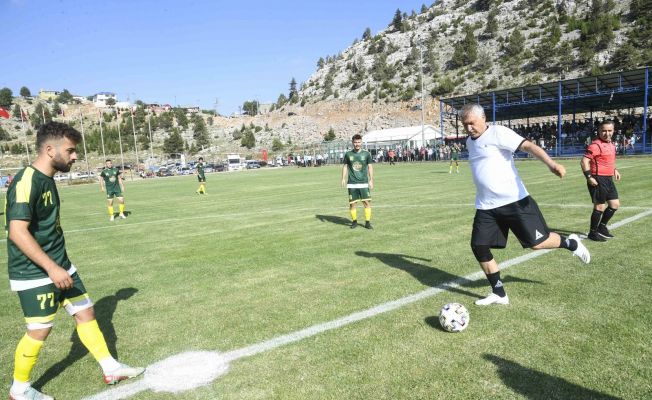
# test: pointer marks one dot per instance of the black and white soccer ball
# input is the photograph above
(454, 317)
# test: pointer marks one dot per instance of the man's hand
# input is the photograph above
(558, 170)
(616, 174)
(60, 278)
(592, 181)
(371, 184)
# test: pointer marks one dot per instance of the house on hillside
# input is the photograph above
(101, 98)
(48, 94)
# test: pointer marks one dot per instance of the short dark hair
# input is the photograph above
(107, 160)
(56, 130)
(201, 158)
(607, 122)
(357, 136)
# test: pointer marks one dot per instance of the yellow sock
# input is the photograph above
(202, 188)
(91, 336)
(354, 214)
(25, 358)
(367, 214)
(111, 211)
(121, 208)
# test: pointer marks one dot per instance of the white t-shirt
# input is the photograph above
(492, 165)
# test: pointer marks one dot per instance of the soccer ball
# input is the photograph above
(454, 317)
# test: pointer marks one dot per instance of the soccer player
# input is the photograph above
(502, 202)
(358, 176)
(111, 180)
(39, 268)
(455, 156)
(200, 176)
(599, 168)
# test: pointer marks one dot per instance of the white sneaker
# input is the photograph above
(122, 373)
(111, 218)
(29, 394)
(582, 252)
(122, 216)
(493, 298)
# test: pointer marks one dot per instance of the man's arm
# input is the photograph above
(585, 164)
(370, 173)
(121, 182)
(344, 173)
(540, 154)
(101, 180)
(23, 239)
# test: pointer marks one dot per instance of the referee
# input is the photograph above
(599, 168)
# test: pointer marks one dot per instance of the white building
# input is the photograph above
(100, 98)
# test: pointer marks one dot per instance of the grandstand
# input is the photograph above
(578, 104)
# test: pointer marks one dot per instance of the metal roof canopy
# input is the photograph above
(611, 91)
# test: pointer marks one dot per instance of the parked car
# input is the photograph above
(253, 164)
(164, 172)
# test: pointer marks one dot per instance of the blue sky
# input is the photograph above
(179, 52)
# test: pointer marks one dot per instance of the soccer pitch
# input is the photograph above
(278, 299)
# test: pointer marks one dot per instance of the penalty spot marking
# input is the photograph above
(190, 370)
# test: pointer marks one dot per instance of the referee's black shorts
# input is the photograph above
(606, 190)
(523, 217)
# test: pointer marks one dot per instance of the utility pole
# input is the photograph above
(423, 136)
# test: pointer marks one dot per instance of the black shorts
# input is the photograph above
(606, 190)
(523, 217)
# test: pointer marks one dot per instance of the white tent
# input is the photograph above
(412, 136)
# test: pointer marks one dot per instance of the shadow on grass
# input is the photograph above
(104, 310)
(333, 219)
(428, 276)
(537, 385)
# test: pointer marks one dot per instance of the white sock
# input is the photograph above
(109, 364)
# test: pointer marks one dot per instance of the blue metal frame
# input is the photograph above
(573, 94)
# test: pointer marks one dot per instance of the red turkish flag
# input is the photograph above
(4, 113)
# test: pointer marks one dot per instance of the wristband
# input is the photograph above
(587, 174)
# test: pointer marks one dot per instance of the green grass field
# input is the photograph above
(269, 253)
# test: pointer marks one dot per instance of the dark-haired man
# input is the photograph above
(599, 168)
(201, 176)
(358, 176)
(39, 268)
(111, 180)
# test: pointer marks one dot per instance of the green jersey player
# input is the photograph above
(200, 176)
(39, 268)
(358, 176)
(455, 156)
(111, 181)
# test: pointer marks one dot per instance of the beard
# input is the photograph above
(60, 165)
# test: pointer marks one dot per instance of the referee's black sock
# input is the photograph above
(596, 216)
(496, 284)
(566, 243)
(608, 213)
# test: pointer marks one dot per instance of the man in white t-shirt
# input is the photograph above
(502, 202)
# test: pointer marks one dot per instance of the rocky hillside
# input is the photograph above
(470, 46)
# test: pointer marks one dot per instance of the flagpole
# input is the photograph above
(133, 128)
(22, 119)
(149, 126)
(99, 117)
(81, 119)
(122, 157)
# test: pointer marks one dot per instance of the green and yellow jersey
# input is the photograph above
(33, 197)
(200, 172)
(111, 178)
(358, 166)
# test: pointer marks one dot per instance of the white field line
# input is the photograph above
(130, 389)
(315, 209)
